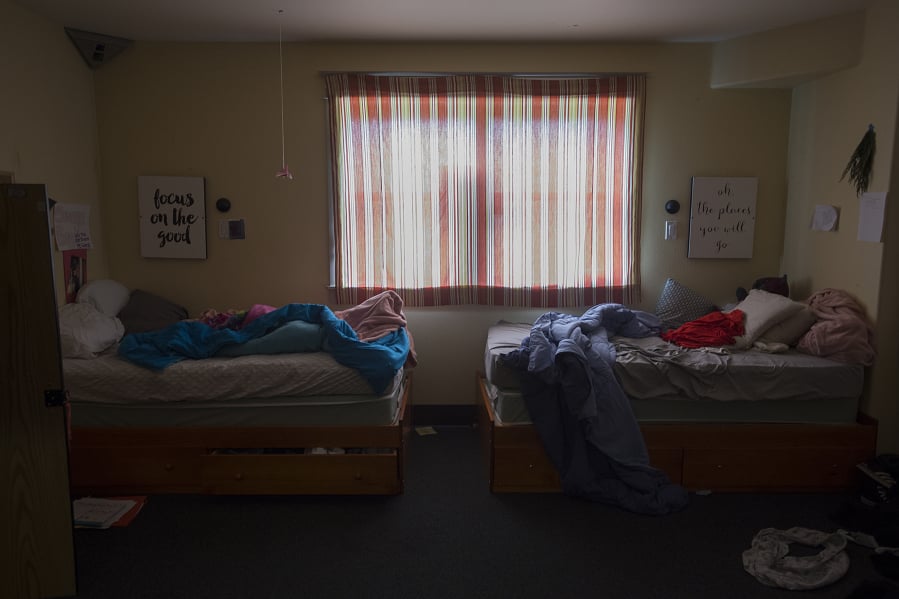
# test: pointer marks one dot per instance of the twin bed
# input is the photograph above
(714, 419)
(292, 422)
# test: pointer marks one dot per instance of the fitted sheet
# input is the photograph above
(666, 382)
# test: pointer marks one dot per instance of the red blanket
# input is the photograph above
(713, 329)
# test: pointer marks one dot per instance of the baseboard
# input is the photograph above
(443, 414)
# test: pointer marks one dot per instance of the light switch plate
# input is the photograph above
(670, 230)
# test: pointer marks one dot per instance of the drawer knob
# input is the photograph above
(168, 467)
(357, 476)
(530, 466)
(719, 466)
(238, 476)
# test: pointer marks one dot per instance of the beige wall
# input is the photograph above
(829, 117)
(48, 131)
(788, 56)
(212, 110)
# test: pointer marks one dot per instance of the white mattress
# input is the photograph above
(309, 389)
(309, 410)
(110, 379)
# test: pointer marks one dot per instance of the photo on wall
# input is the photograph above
(74, 266)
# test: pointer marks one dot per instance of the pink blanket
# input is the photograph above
(377, 316)
(842, 331)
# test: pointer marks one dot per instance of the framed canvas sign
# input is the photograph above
(722, 217)
(172, 212)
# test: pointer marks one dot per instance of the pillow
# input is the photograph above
(790, 330)
(762, 310)
(106, 295)
(148, 312)
(679, 304)
(84, 331)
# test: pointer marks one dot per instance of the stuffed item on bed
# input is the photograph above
(776, 285)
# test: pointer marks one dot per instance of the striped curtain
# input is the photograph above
(486, 189)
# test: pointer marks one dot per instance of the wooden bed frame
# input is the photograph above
(139, 461)
(700, 456)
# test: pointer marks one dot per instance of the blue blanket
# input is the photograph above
(582, 415)
(377, 361)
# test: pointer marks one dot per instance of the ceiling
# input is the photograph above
(437, 20)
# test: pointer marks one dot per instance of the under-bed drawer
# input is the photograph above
(301, 474)
(528, 469)
(799, 468)
(162, 470)
(523, 469)
(669, 460)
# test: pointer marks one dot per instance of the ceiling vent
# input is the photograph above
(96, 49)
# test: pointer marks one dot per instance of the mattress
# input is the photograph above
(309, 389)
(111, 379)
(502, 338)
(666, 382)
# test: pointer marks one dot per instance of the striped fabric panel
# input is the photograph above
(487, 190)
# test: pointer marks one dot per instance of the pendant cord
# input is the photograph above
(281, 68)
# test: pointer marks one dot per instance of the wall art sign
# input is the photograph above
(172, 213)
(722, 217)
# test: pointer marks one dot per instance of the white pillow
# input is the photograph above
(84, 331)
(792, 329)
(762, 310)
(106, 295)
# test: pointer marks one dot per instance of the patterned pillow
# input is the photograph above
(679, 304)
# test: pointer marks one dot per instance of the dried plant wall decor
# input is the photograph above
(861, 162)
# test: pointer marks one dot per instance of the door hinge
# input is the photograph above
(55, 397)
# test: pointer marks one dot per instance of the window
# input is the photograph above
(486, 189)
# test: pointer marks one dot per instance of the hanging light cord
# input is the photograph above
(281, 68)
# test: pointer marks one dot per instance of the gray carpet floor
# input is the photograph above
(447, 536)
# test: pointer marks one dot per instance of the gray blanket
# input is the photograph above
(583, 417)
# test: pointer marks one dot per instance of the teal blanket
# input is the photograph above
(377, 361)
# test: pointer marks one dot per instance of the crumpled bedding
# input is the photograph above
(714, 329)
(377, 316)
(377, 360)
(583, 417)
(842, 331)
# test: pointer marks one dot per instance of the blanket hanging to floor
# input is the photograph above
(582, 415)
